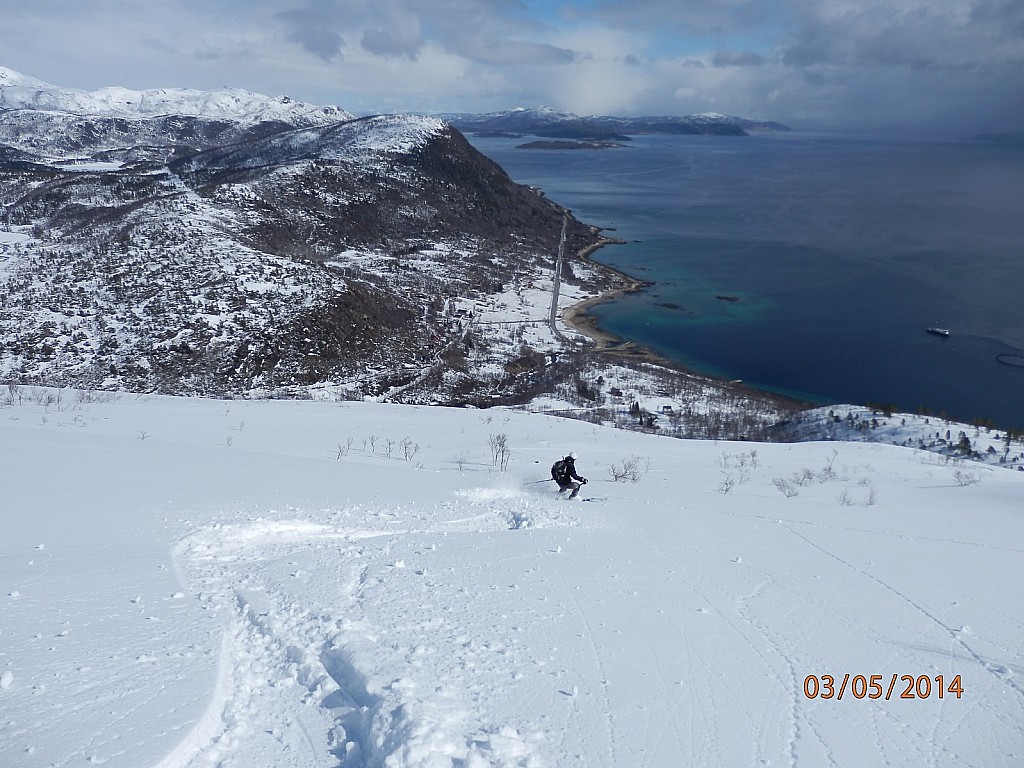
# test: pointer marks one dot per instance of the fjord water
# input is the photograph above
(813, 265)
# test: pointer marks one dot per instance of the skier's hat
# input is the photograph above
(571, 456)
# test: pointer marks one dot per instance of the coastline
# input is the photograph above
(578, 318)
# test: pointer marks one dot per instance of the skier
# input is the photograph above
(563, 472)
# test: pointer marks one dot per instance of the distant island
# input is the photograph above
(553, 124)
(566, 144)
(498, 135)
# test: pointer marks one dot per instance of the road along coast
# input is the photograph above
(579, 319)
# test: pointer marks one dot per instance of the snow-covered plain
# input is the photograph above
(192, 582)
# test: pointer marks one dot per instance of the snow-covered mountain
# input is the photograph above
(189, 582)
(21, 92)
(53, 122)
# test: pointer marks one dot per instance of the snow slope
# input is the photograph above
(191, 582)
(853, 423)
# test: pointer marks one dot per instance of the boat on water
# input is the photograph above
(939, 331)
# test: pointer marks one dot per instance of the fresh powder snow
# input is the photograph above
(188, 582)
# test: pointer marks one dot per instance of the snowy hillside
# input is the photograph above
(190, 583)
(953, 440)
(208, 255)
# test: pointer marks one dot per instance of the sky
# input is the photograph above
(954, 65)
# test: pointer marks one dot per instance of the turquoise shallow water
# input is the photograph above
(841, 252)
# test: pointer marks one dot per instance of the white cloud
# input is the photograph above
(820, 60)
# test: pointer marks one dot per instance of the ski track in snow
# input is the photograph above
(1000, 672)
(305, 655)
(608, 724)
(927, 747)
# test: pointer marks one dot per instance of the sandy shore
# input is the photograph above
(580, 320)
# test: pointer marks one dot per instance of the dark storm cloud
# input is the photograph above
(731, 58)
(983, 36)
(400, 35)
(497, 51)
(1008, 14)
(384, 43)
(320, 42)
(311, 31)
(491, 32)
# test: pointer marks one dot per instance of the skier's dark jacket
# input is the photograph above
(563, 472)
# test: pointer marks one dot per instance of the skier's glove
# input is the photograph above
(584, 481)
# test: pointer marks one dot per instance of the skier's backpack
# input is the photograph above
(559, 471)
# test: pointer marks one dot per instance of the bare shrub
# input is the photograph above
(630, 470)
(804, 477)
(500, 451)
(966, 477)
(829, 472)
(409, 448)
(344, 450)
(871, 497)
(86, 396)
(743, 463)
(786, 487)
